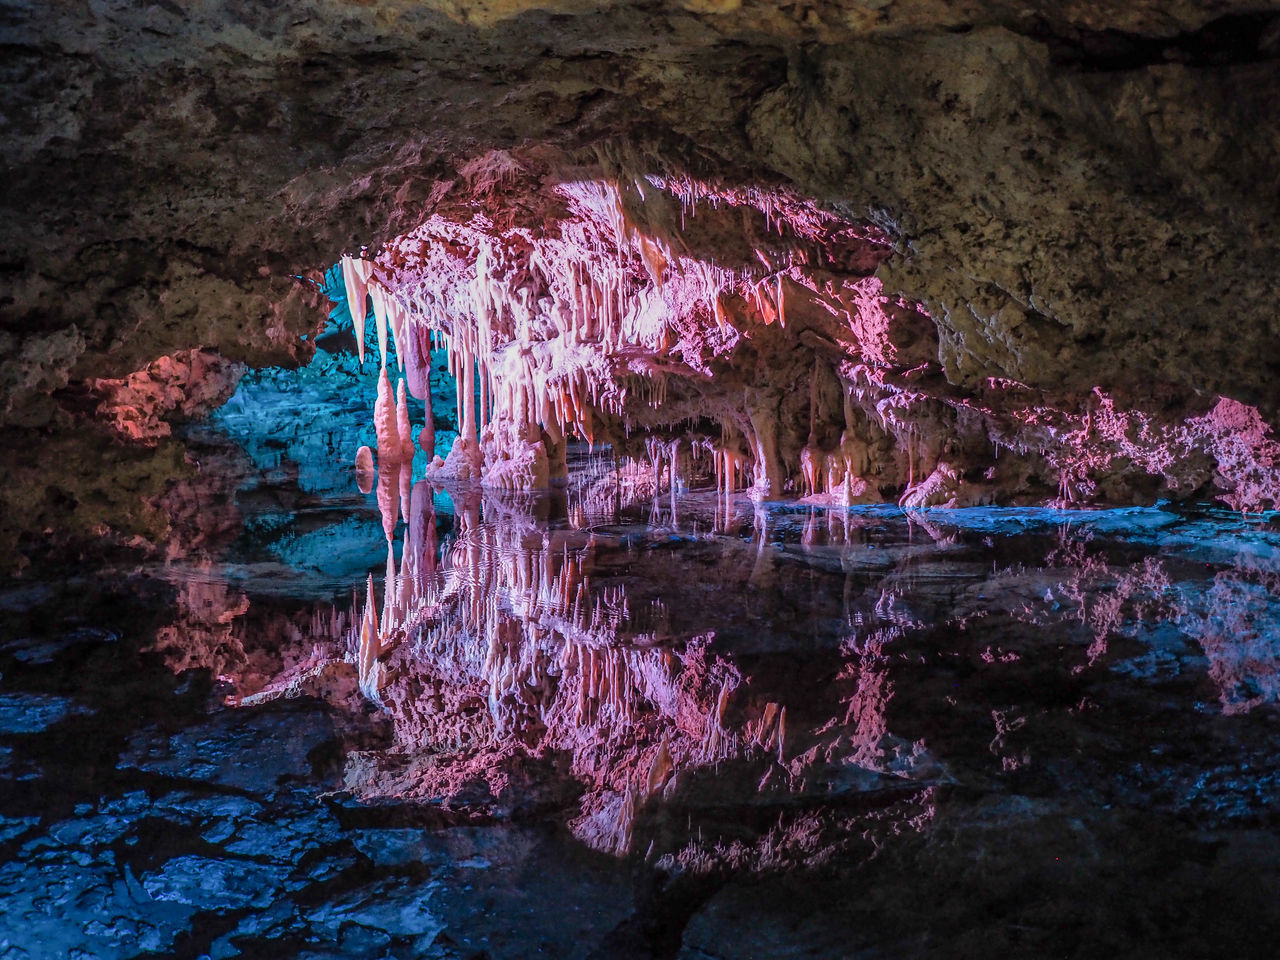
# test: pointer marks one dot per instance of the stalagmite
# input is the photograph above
(390, 597)
(368, 648)
(782, 734)
(406, 486)
(408, 578)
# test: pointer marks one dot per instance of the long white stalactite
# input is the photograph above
(563, 333)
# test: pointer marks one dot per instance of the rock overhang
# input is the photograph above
(1072, 190)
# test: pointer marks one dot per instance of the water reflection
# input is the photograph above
(423, 709)
(712, 683)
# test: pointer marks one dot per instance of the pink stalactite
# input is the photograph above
(397, 322)
(606, 307)
(416, 358)
(385, 427)
(365, 472)
(467, 383)
(403, 430)
(389, 496)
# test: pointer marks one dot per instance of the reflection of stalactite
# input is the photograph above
(1235, 626)
(502, 652)
(388, 496)
(364, 470)
(510, 611)
(369, 647)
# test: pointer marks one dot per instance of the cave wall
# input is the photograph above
(1079, 194)
(1068, 223)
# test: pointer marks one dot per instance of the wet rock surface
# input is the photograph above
(1070, 191)
(784, 731)
(141, 819)
(607, 723)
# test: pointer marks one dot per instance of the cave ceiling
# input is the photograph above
(1081, 196)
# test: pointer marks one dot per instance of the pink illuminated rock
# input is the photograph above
(364, 470)
(749, 322)
(188, 384)
(390, 450)
(403, 430)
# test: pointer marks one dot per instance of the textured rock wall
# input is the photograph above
(1081, 194)
(1067, 225)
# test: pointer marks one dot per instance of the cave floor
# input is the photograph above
(1009, 733)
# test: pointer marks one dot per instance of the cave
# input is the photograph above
(683, 478)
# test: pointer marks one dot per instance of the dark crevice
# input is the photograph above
(1231, 40)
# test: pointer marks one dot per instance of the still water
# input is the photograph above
(429, 722)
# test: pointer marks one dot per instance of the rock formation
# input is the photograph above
(1067, 210)
(745, 333)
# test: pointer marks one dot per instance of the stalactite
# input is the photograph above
(812, 457)
(399, 329)
(378, 297)
(415, 359)
(365, 473)
(619, 321)
(467, 427)
(354, 278)
(403, 431)
(384, 421)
